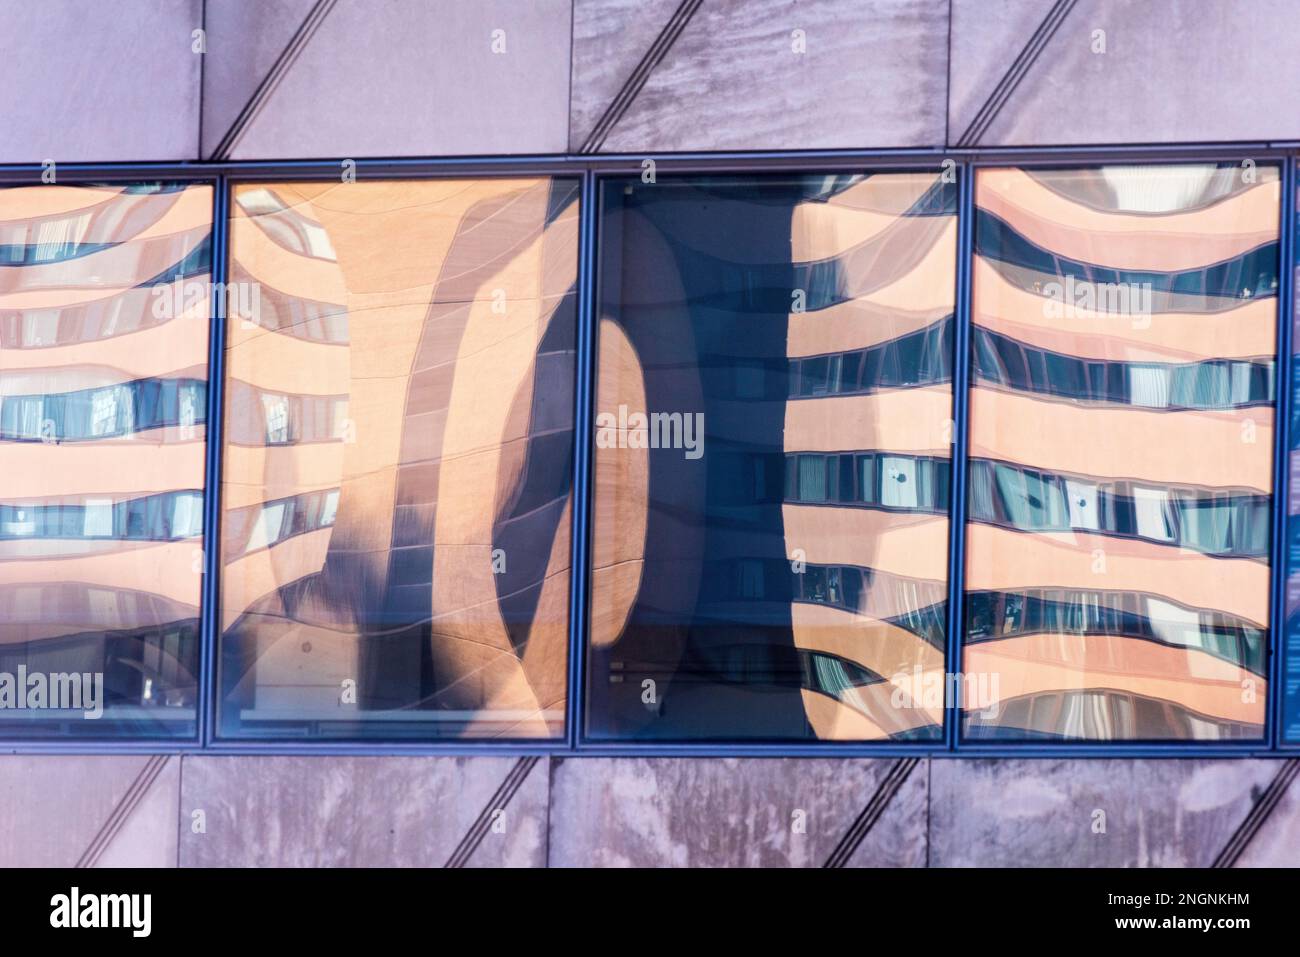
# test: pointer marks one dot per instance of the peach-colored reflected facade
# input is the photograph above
(104, 320)
(1162, 674)
(658, 604)
(397, 563)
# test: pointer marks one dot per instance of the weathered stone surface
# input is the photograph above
(422, 78)
(684, 812)
(92, 82)
(245, 39)
(265, 811)
(1173, 71)
(987, 36)
(1045, 813)
(609, 39)
(1277, 842)
(872, 73)
(56, 807)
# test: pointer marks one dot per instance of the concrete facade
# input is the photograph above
(241, 811)
(188, 80)
(296, 79)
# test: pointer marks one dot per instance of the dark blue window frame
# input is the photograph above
(963, 164)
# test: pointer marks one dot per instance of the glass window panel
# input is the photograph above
(898, 484)
(101, 495)
(1084, 512)
(1142, 598)
(719, 613)
(397, 478)
(812, 478)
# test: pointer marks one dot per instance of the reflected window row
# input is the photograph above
(773, 417)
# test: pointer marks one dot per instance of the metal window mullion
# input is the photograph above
(583, 438)
(1277, 633)
(960, 430)
(210, 613)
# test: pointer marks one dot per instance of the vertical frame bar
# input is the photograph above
(1278, 636)
(583, 439)
(210, 614)
(960, 430)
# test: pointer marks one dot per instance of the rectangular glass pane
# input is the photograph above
(104, 321)
(760, 569)
(1124, 323)
(397, 481)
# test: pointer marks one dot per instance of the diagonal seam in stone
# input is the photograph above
(866, 820)
(1015, 73)
(288, 56)
(633, 84)
(499, 801)
(122, 812)
(1264, 807)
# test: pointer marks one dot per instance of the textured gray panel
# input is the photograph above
(874, 74)
(56, 805)
(419, 77)
(517, 836)
(147, 838)
(609, 39)
(899, 838)
(987, 36)
(264, 811)
(1277, 842)
(1037, 813)
(245, 38)
(88, 81)
(1173, 71)
(682, 812)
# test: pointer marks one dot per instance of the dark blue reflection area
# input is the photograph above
(868, 480)
(1216, 522)
(1252, 275)
(922, 358)
(1213, 384)
(749, 610)
(162, 517)
(104, 412)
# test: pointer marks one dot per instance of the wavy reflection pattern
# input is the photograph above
(789, 582)
(1121, 435)
(103, 382)
(397, 477)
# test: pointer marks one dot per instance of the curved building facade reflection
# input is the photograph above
(397, 476)
(787, 578)
(104, 321)
(1121, 452)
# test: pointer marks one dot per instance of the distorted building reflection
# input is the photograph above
(790, 582)
(1121, 444)
(104, 323)
(397, 476)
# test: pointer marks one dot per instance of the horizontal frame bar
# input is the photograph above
(632, 749)
(611, 163)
